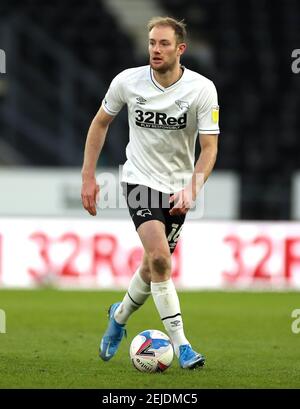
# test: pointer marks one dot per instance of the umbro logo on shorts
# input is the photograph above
(144, 212)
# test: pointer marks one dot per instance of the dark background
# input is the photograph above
(62, 55)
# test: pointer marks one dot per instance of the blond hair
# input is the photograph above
(178, 26)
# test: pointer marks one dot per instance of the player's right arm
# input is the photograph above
(93, 146)
(112, 104)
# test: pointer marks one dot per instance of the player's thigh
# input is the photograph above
(174, 225)
(154, 240)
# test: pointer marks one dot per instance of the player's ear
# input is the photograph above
(181, 48)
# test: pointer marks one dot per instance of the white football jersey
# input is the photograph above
(163, 125)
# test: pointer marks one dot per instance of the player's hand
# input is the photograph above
(89, 195)
(183, 202)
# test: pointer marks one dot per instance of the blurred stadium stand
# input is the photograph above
(62, 55)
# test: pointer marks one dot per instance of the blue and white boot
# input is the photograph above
(113, 335)
(188, 358)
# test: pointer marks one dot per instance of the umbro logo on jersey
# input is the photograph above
(144, 212)
(183, 105)
(141, 100)
(159, 120)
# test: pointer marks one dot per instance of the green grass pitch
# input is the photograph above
(52, 340)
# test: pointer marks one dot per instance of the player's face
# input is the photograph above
(164, 51)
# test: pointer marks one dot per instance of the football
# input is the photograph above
(151, 351)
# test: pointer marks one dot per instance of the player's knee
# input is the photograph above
(160, 263)
(145, 272)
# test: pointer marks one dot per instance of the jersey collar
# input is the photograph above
(159, 86)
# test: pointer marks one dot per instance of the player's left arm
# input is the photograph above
(203, 168)
(205, 162)
(208, 125)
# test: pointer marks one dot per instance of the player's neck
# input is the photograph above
(168, 78)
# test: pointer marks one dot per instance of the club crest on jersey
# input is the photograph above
(141, 100)
(182, 105)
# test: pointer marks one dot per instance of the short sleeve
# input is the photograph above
(208, 111)
(113, 101)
